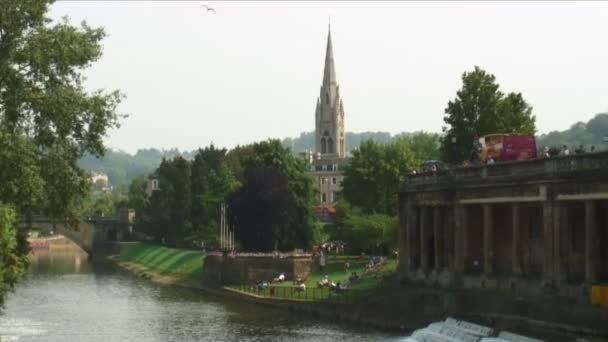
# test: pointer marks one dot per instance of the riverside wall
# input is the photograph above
(222, 270)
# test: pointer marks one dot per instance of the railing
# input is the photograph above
(278, 255)
(315, 294)
(545, 167)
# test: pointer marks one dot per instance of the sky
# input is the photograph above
(253, 70)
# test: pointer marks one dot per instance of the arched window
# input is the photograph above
(323, 146)
(330, 145)
(327, 98)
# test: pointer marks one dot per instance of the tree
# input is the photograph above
(375, 173)
(480, 108)
(598, 126)
(212, 181)
(137, 198)
(425, 146)
(47, 117)
(263, 211)
(363, 232)
(12, 262)
(99, 205)
(297, 203)
(235, 158)
(177, 177)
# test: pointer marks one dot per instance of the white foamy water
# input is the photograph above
(12, 329)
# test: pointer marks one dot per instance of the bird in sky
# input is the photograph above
(209, 9)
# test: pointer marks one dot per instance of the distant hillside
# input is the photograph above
(122, 167)
(306, 140)
(592, 133)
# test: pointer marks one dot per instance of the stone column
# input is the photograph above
(488, 240)
(460, 236)
(565, 240)
(516, 240)
(560, 222)
(437, 233)
(414, 240)
(404, 220)
(591, 242)
(448, 239)
(548, 208)
(411, 238)
(424, 226)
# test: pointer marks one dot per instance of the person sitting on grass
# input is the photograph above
(339, 286)
(324, 282)
(262, 285)
(354, 277)
(279, 279)
(301, 287)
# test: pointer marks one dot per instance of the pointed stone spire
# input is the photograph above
(329, 75)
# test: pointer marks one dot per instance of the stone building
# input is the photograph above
(329, 158)
(100, 182)
(152, 184)
(526, 228)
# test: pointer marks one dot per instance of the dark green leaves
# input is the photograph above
(480, 108)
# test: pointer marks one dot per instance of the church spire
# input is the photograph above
(329, 76)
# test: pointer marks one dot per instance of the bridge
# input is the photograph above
(528, 227)
(91, 232)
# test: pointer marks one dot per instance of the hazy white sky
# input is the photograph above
(253, 70)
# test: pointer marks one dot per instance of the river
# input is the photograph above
(66, 298)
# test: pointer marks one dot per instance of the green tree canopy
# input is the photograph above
(376, 170)
(48, 120)
(212, 181)
(267, 158)
(480, 108)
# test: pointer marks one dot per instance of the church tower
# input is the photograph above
(329, 116)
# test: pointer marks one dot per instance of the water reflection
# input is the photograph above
(66, 298)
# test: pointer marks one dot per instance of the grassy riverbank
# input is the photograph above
(177, 263)
(369, 285)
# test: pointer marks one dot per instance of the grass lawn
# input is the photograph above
(178, 262)
(334, 269)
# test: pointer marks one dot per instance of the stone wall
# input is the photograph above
(219, 270)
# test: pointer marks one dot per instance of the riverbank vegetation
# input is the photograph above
(48, 121)
(178, 263)
(268, 194)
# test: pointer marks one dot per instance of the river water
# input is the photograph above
(66, 298)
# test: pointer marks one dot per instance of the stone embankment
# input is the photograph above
(406, 307)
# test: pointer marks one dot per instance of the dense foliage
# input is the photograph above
(366, 215)
(364, 232)
(273, 208)
(48, 121)
(376, 170)
(480, 108)
(186, 208)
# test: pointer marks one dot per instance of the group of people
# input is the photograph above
(337, 286)
(564, 151)
(372, 268)
(336, 247)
